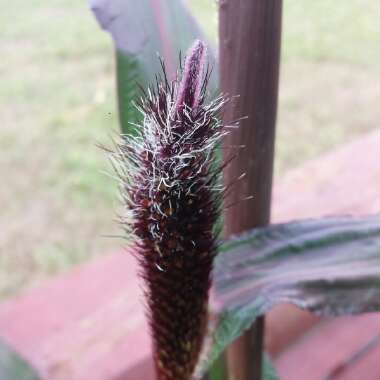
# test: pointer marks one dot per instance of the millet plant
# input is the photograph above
(168, 161)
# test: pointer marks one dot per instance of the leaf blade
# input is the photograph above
(13, 367)
(268, 370)
(329, 266)
(141, 31)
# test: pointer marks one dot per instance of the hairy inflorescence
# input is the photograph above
(170, 184)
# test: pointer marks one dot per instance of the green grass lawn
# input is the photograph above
(57, 101)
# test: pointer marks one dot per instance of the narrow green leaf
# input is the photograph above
(329, 266)
(218, 371)
(142, 31)
(129, 74)
(12, 367)
(268, 371)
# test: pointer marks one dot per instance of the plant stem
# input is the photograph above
(250, 35)
(244, 356)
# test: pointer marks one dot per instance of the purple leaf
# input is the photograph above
(329, 266)
(143, 30)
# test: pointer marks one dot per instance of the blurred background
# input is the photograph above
(57, 98)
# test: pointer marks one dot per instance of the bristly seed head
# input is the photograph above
(170, 184)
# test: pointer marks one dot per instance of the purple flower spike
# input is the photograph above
(171, 187)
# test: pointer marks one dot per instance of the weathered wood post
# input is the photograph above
(250, 35)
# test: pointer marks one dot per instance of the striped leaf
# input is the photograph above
(329, 266)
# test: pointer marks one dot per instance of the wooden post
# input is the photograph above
(250, 35)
